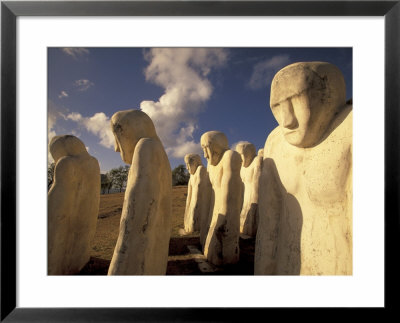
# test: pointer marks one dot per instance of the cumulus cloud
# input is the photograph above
(83, 85)
(63, 94)
(183, 73)
(75, 52)
(98, 124)
(264, 71)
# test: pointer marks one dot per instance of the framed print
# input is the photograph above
(34, 37)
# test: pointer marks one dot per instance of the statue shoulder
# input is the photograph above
(342, 126)
(94, 162)
(202, 170)
(65, 170)
(66, 164)
(232, 159)
(147, 148)
(203, 173)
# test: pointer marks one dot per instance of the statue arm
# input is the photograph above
(59, 201)
(189, 196)
(257, 176)
(271, 194)
(202, 184)
(141, 214)
(144, 181)
(59, 211)
(231, 182)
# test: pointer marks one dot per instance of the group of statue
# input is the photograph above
(294, 196)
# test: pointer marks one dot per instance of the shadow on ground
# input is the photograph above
(182, 262)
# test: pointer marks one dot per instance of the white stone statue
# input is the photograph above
(222, 243)
(250, 174)
(145, 227)
(306, 184)
(261, 152)
(198, 199)
(73, 205)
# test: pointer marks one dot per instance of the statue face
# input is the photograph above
(129, 127)
(246, 160)
(304, 100)
(124, 146)
(214, 144)
(212, 156)
(294, 116)
(247, 153)
(191, 166)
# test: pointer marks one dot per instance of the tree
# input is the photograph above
(118, 177)
(50, 175)
(180, 176)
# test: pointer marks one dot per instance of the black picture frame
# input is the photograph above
(10, 10)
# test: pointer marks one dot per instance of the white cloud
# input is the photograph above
(182, 72)
(63, 94)
(98, 124)
(264, 71)
(83, 85)
(75, 52)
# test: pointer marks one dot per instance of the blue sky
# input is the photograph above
(186, 91)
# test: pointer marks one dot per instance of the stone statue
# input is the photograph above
(145, 227)
(222, 242)
(198, 198)
(306, 183)
(73, 205)
(261, 152)
(250, 174)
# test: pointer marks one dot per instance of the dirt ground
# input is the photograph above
(180, 260)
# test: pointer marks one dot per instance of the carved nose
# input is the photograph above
(288, 118)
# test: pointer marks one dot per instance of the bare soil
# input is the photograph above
(180, 260)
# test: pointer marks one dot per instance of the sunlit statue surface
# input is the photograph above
(306, 184)
(250, 173)
(145, 227)
(198, 198)
(73, 205)
(222, 242)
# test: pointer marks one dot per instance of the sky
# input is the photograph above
(185, 91)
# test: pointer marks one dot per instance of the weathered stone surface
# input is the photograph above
(198, 199)
(306, 184)
(73, 205)
(222, 242)
(261, 152)
(250, 174)
(145, 228)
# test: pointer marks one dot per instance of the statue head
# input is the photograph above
(129, 127)
(214, 144)
(66, 145)
(260, 152)
(305, 97)
(192, 161)
(247, 151)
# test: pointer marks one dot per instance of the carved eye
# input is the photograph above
(117, 127)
